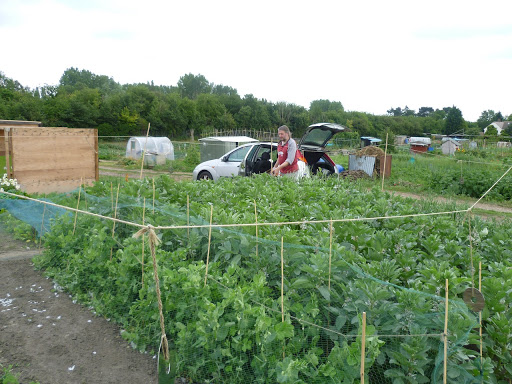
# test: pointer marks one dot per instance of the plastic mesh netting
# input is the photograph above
(280, 303)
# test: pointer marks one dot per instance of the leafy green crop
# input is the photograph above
(231, 330)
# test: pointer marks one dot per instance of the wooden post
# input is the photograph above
(153, 195)
(144, 152)
(96, 156)
(77, 205)
(363, 346)
(7, 153)
(209, 243)
(188, 217)
(256, 220)
(282, 281)
(142, 258)
(445, 334)
(330, 254)
(42, 224)
(115, 217)
(385, 161)
(282, 286)
(480, 316)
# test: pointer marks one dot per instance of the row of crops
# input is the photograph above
(233, 329)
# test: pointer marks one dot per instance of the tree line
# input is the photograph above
(83, 99)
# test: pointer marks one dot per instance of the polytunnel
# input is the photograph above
(158, 149)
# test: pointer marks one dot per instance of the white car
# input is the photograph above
(258, 157)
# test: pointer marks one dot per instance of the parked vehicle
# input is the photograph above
(258, 157)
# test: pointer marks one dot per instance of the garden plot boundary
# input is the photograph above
(150, 230)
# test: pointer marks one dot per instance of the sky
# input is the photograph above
(370, 55)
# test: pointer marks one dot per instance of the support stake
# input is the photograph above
(363, 347)
(209, 244)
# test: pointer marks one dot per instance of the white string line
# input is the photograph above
(76, 210)
(497, 181)
(265, 224)
(323, 328)
(309, 221)
(240, 224)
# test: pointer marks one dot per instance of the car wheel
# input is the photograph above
(204, 175)
(327, 168)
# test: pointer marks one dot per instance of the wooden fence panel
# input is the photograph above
(54, 159)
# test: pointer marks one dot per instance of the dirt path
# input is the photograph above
(52, 340)
(134, 174)
(464, 203)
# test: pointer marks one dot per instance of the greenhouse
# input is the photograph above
(158, 149)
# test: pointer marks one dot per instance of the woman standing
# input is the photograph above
(287, 154)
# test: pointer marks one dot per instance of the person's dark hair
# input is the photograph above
(284, 128)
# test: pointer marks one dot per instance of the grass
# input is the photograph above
(7, 375)
(438, 175)
(186, 157)
(2, 165)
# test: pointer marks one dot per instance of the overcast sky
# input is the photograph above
(369, 55)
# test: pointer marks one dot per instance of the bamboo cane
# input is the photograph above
(282, 286)
(385, 157)
(144, 152)
(363, 347)
(188, 218)
(445, 334)
(330, 254)
(42, 225)
(77, 204)
(153, 195)
(115, 217)
(142, 257)
(480, 317)
(209, 243)
(256, 221)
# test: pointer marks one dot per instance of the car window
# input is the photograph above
(317, 137)
(239, 154)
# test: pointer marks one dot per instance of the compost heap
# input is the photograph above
(373, 151)
(370, 151)
(354, 175)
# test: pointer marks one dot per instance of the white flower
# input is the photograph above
(18, 187)
(1, 190)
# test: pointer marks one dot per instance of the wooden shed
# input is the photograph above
(45, 159)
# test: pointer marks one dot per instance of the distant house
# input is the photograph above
(499, 125)
(450, 146)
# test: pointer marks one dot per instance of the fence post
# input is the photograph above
(445, 334)
(363, 347)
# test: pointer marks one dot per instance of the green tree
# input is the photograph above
(191, 86)
(395, 111)
(486, 118)
(210, 109)
(491, 131)
(454, 121)
(425, 111)
(408, 112)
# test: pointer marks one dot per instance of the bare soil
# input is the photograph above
(49, 338)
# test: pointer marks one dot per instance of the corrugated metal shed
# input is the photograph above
(362, 163)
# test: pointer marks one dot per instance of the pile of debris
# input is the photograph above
(379, 154)
(354, 175)
(370, 150)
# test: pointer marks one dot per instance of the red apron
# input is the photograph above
(282, 155)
